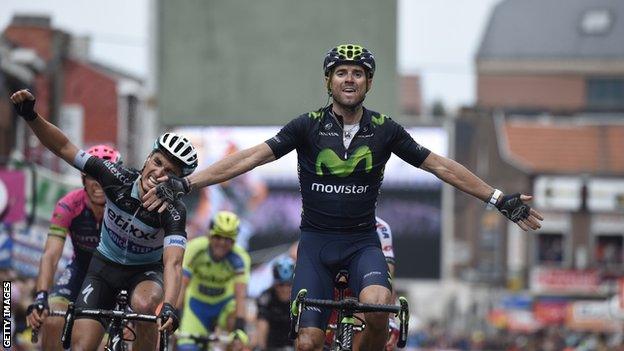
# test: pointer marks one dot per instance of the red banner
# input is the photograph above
(550, 312)
(557, 280)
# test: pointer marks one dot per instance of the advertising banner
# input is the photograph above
(50, 188)
(592, 316)
(556, 280)
(12, 196)
(550, 311)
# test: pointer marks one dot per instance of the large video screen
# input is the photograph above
(269, 202)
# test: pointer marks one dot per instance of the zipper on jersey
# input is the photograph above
(346, 150)
(125, 256)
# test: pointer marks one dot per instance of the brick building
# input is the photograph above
(92, 103)
(549, 120)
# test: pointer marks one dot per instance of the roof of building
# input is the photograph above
(555, 146)
(554, 29)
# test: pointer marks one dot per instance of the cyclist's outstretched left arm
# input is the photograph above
(457, 175)
(513, 206)
(49, 135)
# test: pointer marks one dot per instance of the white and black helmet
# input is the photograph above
(179, 149)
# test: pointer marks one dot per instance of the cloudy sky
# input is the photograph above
(436, 38)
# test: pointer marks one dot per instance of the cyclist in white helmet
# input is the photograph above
(140, 251)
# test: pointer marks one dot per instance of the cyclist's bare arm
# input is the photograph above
(49, 261)
(240, 296)
(458, 176)
(391, 269)
(49, 135)
(233, 165)
(262, 331)
(220, 171)
(180, 303)
(172, 273)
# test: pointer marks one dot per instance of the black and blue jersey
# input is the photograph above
(130, 234)
(339, 186)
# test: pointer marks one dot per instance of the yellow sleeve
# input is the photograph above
(244, 277)
(193, 248)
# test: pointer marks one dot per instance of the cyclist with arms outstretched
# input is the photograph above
(78, 215)
(139, 250)
(214, 291)
(342, 150)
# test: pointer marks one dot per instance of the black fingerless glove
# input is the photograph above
(168, 311)
(173, 189)
(40, 303)
(513, 208)
(26, 109)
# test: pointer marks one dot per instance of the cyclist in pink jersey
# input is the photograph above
(79, 215)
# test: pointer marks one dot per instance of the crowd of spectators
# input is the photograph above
(434, 337)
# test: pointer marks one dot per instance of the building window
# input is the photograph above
(608, 251)
(596, 22)
(605, 93)
(550, 249)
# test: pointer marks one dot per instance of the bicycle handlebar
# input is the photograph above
(73, 312)
(114, 314)
(352, 305)
(205, 339)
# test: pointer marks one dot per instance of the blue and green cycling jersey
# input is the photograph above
(131, 234)
(212, 281)
(339, 186)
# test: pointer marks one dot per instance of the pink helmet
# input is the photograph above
(105, 152)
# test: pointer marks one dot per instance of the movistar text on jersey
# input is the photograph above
(340, 189)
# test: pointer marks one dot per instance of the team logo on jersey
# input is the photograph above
(328, 126)
(118, 222)
(379, 120)
(328, 159)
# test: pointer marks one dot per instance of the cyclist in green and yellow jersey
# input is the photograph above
(216, 274)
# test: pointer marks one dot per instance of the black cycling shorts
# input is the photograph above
(105, 279)
(320, 256)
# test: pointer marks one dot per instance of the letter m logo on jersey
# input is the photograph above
(327, 159)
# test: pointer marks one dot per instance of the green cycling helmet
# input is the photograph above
(225, 224)
(349, 53)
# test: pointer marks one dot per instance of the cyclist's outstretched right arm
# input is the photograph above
(286, 140)
(231, 166)
(220, 171)
(49, 135)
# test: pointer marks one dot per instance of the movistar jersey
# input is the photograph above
(130, 233)
(339, 185)
(213, 281)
